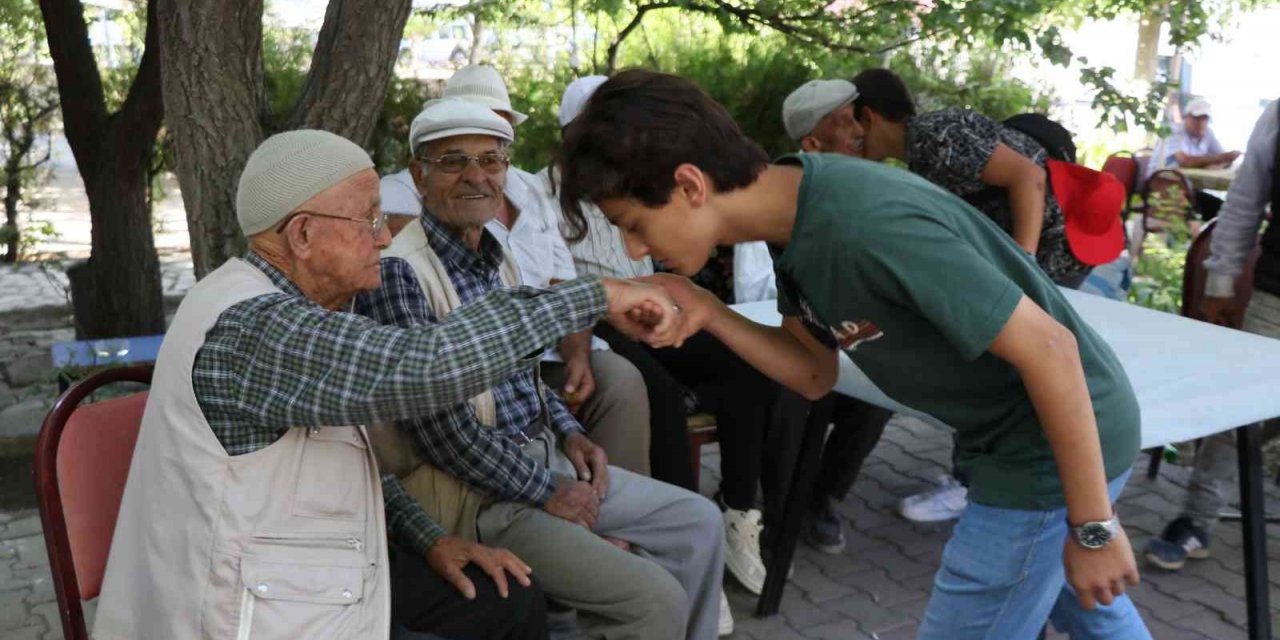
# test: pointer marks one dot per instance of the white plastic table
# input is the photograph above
(1192, 380)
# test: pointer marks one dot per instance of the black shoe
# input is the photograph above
(825, 531)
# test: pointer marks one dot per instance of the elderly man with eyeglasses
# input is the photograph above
(254, 506)
(636, 557)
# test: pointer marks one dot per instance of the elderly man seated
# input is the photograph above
(253, 506)
(638, 558)
(1192, 145)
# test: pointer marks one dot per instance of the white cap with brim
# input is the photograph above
(808, 105)
(400, 196)
(290, 168)
(448, 118)
(1199, 107)
(576, 95)
(482, 84)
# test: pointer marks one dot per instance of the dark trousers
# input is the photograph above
(425, 605)
(741, 398)
(858, 427)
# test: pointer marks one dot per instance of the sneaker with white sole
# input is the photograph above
(944, 502)
(726, 617)
(742, 548)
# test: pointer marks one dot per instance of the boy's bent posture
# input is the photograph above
(940, 308)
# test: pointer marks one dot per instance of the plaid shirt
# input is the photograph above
(401, 302)
(280, 360)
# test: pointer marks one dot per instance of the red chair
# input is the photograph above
(1193, 278)
(1124, 166)
(82, 459)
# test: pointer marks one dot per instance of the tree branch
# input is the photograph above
(135, 125)
(84, 109)
(611, 54)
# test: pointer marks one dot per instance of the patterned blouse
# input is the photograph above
(950, 148)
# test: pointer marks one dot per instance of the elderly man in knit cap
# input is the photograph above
(638, 558)
(254, 507)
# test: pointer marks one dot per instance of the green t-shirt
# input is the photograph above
(914, 284)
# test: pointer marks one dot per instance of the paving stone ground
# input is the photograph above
(876, 589)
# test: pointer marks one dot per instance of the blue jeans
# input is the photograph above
(1002, 577)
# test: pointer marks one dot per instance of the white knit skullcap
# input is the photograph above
(290, 168)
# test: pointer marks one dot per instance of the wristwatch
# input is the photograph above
(1096, 535)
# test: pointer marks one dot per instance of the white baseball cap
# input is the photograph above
(482, 84)
(808, 105)
(451, 117)
(576, 95)
(1198, 107)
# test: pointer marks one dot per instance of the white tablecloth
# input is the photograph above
(1192, 379)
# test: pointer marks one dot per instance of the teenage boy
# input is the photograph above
(941, 309)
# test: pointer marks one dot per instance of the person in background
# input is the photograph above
(818, 116)
(1256, 184)
(1193, 145)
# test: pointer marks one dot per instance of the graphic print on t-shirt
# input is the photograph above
(847, 336)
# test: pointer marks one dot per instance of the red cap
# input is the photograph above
(1091, 202)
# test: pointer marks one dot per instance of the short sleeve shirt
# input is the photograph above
(914, 285)
(950, 148)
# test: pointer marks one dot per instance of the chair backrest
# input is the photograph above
(1124, 167)
(1194, 274)
(82, 459)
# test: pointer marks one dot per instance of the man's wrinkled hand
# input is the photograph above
(590, 461)
(1224, 312)
(575, 501)
(697, 305)
(642, 311)
(450, 554)
(1099, 576)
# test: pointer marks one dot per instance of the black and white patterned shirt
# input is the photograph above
(950, 148)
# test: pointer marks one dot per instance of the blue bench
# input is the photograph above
(104, 352)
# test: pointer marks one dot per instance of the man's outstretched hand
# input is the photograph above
(643, 311)
(697, 305)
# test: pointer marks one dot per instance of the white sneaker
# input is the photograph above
(726, 616)
(742, 548)
(944, 502)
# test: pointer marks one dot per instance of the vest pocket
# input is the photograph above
(292, 600)
(333, 475)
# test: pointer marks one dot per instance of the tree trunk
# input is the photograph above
(212, 78)
(354, 59)
(13, 189)
(213, 94)
(1145, 62)
(477, 34)
(123, 274)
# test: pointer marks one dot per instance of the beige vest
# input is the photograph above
(449, 501)
(286, 542)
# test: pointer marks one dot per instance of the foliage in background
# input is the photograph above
(1157, 273)
(28, 112)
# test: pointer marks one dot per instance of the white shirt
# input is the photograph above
(534, 239)
(1163, 157)
(602, 252)
(1242, 213)
(753, 276)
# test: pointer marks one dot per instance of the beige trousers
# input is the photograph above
(616, 416)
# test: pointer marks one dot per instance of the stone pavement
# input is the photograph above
(876, 589)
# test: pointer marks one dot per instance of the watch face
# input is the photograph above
(1094, 535)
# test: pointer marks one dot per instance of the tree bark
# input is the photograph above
(212, 82)
(123, 296)
(214, 95)
(1144, 65)
(352, 65)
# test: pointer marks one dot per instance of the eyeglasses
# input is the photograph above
(376, 224)
(491, 162)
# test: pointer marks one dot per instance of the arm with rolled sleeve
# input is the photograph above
(1237, 227)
